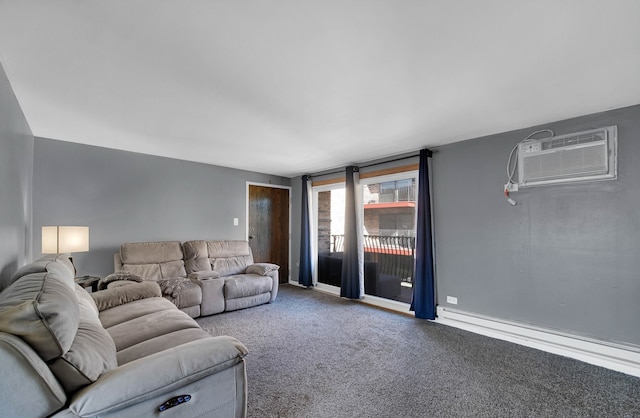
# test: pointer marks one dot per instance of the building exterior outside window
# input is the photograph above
(390, 208)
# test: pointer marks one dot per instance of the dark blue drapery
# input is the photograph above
(350, 283)
(305, 276)
(423, 302)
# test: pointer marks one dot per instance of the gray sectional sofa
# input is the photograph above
(201, 277)
(120, 352)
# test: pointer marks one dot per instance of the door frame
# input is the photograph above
(314, 216)
(246, 224)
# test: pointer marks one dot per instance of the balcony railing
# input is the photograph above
(394, 255)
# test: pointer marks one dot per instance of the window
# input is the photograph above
(397, 191)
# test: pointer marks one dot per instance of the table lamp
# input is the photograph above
(65, 239)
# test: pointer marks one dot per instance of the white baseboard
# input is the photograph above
(296, 283)
(319, 286)
(332, 290)
(384, 303)
(389, 304)
(616, 357)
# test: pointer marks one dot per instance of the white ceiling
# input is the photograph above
(297, 86)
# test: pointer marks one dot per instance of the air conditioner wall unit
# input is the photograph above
(582, 156)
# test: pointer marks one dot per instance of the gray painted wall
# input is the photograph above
(130, 197)
(16, 171)
(566, 257)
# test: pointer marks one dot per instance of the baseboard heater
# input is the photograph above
(618, 357)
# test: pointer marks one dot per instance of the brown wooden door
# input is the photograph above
(269, 227)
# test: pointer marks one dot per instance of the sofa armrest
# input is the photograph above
(275, 276)
(261, 269)
(114, 296)
(28, 386)
(119, 283)
(156, 374)
(212, 294)
(117, 278)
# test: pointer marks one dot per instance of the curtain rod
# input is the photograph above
(429, 154)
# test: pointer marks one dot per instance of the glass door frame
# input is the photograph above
(384, 178)
(315, 190)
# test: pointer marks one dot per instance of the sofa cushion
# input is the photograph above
(246, 302)
(40, 266)
(158, 271)
(221, 249)
(92, 351)
(87, 306)
(42, 309)
(146, 271)
(91, 354)
(243, 285)
(150, 252)
(231, 265)
(196, 256)
(172, 269)
(160, 343)
(131, 310)
(197, 265)
(153, 260)
(144, 327)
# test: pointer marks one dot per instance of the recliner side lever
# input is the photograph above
(175, 401)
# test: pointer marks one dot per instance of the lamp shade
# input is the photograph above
(65, 239)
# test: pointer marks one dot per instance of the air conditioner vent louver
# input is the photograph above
(573, 140)
(583, 156)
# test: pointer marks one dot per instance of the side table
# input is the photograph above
(88, 281)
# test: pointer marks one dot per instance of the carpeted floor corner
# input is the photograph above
(316, 355)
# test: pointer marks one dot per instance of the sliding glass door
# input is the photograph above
(389, 229)
(328, 202)
(389, 235)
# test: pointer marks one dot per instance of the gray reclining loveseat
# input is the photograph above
(201, 277)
